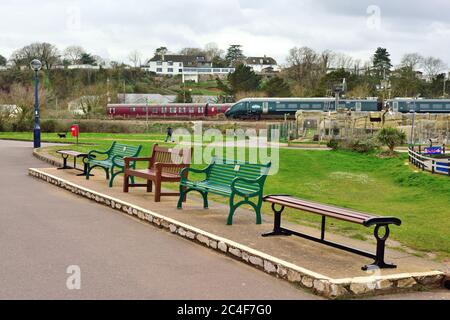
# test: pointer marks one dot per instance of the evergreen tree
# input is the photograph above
(87, 58)
(2, 60)
(234, 55)
(243, 79)
(382, 63)
(277, 87)
(161, 51)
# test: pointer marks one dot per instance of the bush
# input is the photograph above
(333, 144)
(361, 145)
(5, 124)
(54, 126)
(391, 137)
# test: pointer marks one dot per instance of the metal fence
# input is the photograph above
(433, 165)
(288, 130)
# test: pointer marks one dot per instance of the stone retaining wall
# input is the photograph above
(319, 284)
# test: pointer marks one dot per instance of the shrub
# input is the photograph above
(5, 124)
(391, 137)
(362, 145)
(333, 144)
(54, 126)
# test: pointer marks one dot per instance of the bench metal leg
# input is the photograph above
(381, 247)
(64, 167)
(184, 192)
(234, 207)
(277, 230)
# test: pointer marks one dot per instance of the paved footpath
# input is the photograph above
(44, 230)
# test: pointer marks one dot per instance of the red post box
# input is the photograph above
(75, 129)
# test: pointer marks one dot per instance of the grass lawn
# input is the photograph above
(363, 182)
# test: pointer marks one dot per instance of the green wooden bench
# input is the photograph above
(114, 160)
(229, 179)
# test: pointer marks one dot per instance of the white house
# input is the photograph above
(190, 67)
(262, 64)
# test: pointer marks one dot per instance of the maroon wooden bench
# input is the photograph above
(326, 211)
(161, 168)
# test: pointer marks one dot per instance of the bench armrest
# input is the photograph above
(91, 154)
(128, 160)
(185, 172)
(257, 181)
(114, 161)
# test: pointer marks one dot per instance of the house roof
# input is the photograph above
(261, 60)
(187, 60)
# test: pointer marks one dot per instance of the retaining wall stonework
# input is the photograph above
(319, 284)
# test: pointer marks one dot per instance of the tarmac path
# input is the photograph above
(44, 231)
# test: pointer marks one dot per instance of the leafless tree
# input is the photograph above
(212, 51)
(411, 61)
(327, 58)
(301, 61)
(433, 66)
(46, 52)
(192, 52)
(135, 57)
(343, 61)
(74, 54)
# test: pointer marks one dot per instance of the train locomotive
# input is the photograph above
(279, 108)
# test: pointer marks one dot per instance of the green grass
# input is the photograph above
(363, 182)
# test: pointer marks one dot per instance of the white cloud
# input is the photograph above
(113, 29)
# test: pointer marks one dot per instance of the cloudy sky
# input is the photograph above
(113, 29)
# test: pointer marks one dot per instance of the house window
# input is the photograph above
(164, 109)
(200, 110)
(170, 70)
(180, 70)
(159, 63)
(133, 109)
(191, 110)
(159, 70)
(155, 110)
(170, 63)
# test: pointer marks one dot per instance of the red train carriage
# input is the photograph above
(173, 110)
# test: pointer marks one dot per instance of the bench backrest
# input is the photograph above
(169, 156)
(123, 150)
(224, 172)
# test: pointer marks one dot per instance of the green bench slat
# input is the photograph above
(115, 159)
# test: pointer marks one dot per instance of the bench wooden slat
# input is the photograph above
(326, 209)
(318, 211)
(163, 166)
(343, 214)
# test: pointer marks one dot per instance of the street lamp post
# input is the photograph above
(36, 65)
(413, 142)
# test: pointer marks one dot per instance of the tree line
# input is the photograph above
(306, 73)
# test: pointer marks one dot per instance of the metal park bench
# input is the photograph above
(161, 168)
(229, 179)
(325, 211)
(114, 160)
